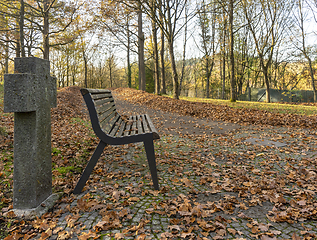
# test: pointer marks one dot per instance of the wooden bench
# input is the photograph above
(113, 129)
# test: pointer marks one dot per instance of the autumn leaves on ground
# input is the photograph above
(291, 191)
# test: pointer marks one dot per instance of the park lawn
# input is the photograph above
(282, 108)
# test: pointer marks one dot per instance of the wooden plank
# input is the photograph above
(117, 125)
(92, 91)
(133, 130)
(151, 125)
(104, 123)
(112, 122)
(139, 124)
(145, 125)
(152, 128)
(121, 130)
(100, 96)
(104, 115)
(103, 101)
(128, 127)
(106, 107)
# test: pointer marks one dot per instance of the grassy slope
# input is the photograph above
(271, 107)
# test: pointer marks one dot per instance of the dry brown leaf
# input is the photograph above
(232, 231)
(86, 236)
(263, 227)
(119, 236)
(134, 199)
(295, 237)
(187, 182)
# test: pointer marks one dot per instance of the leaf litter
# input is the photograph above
(207, 183)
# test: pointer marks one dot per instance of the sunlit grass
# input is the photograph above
(270, 107)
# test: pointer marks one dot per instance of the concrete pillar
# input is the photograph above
(31, 93)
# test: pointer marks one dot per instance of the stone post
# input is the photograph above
(31, 93)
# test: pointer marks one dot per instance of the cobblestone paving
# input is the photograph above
(145, 218)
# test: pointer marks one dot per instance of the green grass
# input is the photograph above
(270, 107)
(65, 170)
(56, 151)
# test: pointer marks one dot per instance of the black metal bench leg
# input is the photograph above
(90, 166)
(149, 149)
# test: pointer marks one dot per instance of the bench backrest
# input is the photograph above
(105, 107)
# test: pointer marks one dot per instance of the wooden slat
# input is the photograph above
(145, 124)
(133, 130)
(100, 96)
(139, 124)
(92, 91)
(104, 115)
(106, 107)
(116, 127)
(112, 122)
(128, 127)
(151, 125)
(104, 123)
(121, 130)
(103, 101)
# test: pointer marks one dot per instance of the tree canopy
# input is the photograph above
(205, 48)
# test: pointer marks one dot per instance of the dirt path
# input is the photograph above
(171, 123)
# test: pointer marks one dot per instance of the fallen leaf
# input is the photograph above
(232, 231)
(119, 236)
(187, 182)
(295, 236)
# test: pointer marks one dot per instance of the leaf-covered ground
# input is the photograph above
(218, 112)
(213, 184)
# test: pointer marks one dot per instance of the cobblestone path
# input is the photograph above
(183, 163)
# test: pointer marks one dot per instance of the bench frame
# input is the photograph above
(147, 138)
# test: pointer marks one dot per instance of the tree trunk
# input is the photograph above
(129, 68)
(174, 70)
(67, 69)
(6, 60)
(156, 60)
(17, 39)
(170, 39)
(184, 54)
(110, 71)
(311, 71)
(86, 70)
(46, 46)
(22, 28)
(141, 52)
(267, 83)
(128, 54)
(224, 68)
(163, 84)
(233, 97)
(223, 50)
(207, 78)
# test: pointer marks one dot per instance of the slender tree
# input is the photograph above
(155, 51)
(300, 18)
(266, 20)
(207, 24)
(142, 80)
